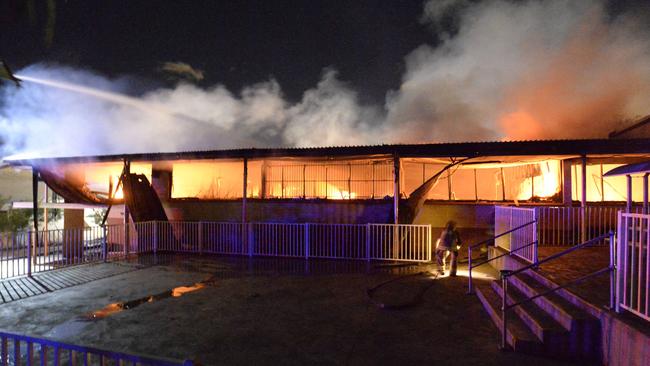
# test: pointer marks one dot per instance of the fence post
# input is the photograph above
(306, 228)
(249, 238)
(104, 243)
(368, 242)
(200, 237)
(536, 237)
(29, 253)
(155, 237)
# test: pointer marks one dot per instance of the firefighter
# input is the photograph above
(449, 242)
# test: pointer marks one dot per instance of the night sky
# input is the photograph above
(319, 72)
(236, 43)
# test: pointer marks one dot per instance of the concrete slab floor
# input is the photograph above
(273, 311)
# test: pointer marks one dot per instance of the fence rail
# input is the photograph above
(633, 264)
(569, 226)
(25, 350)
(521, 242)
(306, 240)
(21, 254)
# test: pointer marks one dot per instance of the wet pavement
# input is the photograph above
(240, 311)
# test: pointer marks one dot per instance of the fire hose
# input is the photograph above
(412, 302)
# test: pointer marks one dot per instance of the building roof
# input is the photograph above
(461, 149)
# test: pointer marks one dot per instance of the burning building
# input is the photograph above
(422, 184)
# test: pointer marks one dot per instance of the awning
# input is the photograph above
(638, 168)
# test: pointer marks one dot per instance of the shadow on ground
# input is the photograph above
(272, 311)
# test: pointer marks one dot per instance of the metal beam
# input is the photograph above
(33, 244)
(628, 206)
(645, 193)
(396, 188)
(244, 195)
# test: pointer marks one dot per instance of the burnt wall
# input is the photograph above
(289, 211)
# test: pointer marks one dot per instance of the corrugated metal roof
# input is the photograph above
(448, 149)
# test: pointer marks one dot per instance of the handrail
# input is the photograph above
(559, 287)
(502, 234)
(560, 254)
(469, 252)
(505, 274)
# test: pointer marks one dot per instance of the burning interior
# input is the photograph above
(389, 183)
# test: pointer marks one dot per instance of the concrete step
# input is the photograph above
(554, 336)
(584, 328)
(576, 300)
(518, 336)
(562, 310)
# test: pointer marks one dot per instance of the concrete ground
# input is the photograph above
(267, 311)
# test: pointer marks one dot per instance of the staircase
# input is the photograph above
(559, 325)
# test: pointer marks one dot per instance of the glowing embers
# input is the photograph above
(117, 307)
(207, 180)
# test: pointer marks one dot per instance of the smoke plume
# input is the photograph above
(501, 70)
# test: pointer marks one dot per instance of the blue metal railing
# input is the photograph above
(18, 349)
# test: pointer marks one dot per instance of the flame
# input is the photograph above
(545, 184)
(333, 192)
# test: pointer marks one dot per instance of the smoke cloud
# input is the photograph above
(504, 70)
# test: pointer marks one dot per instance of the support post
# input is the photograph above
(612, 271)
(33, 244)
(583, 202)
(620, 247)
(127, 241)
(396, 193)
(567, 198)
(396, 189)
(46, 244)
(628, 206)
(245, 190)
(645, 193)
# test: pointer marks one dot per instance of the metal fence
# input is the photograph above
(24, 350)
(21, 254)
(569, 226)
(633, 264)
(521, 242)
(306, 240)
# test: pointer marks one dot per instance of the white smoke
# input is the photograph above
(525, 69)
